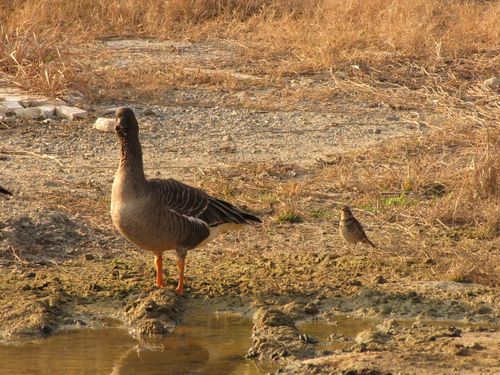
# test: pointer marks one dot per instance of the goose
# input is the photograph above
(164, 214)
(351, 229)
(4, 191)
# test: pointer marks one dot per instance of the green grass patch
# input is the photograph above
(369, 208)
(401, 200)
(321, 214)
(268, 198)
(289, 217)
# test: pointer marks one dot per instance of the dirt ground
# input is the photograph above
(62, 262)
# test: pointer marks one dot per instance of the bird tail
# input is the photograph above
(370, 243)
(2, 190)
(233, 214)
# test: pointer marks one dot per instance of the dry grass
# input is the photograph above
(457, 38)
(36, 59)
(442, 191)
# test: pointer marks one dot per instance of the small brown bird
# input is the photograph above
(159, 215)
(4, 191)
(351, 229)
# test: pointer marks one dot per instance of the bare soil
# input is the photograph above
(62, 262)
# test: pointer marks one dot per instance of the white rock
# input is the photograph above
(29, 113)
(341, 74)
(105, 124)
(70, 113)
(492, 82)
(48, 110)
(9, 106)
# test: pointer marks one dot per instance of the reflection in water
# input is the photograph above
(204, 343)
(342, 325)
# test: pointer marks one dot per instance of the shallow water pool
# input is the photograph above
(204, 343)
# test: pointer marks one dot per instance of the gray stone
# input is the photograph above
(29, 113)
(47, 111)
(341, 74)
(9, 106)
(105, 124)
(35, 102)
(392, 118)
(70, 113)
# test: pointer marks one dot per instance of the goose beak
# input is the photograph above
(119, 128)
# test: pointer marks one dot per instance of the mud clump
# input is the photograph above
(275, 337)
(37, 318)
(309, 368)
(376, 339)
(155, 314)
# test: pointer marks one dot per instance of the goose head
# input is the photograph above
(126, 123)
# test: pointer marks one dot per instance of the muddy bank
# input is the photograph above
(397, 320)
(76, 275)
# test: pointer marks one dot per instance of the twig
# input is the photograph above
(24, 152)
(443, 224)
(22, 261)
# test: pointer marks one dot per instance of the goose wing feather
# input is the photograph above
(192, 202)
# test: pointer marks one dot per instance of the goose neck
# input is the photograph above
(131, 156)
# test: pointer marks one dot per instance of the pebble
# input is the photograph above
(379, 279)
(355, 283)
(492, 82)
(89, 257)
(341, 74)
(393, 118)
(149, 112)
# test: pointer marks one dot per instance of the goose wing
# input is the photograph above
(192, 202)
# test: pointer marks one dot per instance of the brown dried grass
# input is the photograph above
(287, 36)
(406, 55)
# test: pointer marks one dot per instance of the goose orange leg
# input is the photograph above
(180, 266)
(159, 271)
